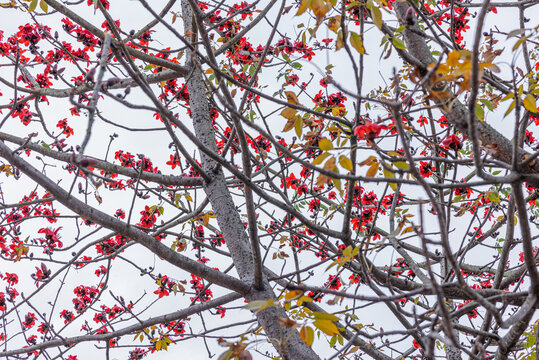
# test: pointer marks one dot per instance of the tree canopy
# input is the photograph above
(269, 179)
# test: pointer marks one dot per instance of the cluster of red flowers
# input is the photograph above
(177, 327)
(149, 216)
(111, 245)
(51, 240)
(289, 48)
(202, 293)
(84, 297)
(165, 285)
(66, 130)
(472, 314)
(82, 35)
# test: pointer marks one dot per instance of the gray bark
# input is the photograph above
(286, 341)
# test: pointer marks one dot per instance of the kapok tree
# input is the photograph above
(294, 180)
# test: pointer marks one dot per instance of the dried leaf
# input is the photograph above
(288, 113)
(307, 335)
(373, 170)
(305, 4)
(291, 98)
(334, 23)
(287, 323)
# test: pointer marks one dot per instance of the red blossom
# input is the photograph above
(369, 130)
(452, 142)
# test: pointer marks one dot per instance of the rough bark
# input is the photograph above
(286, 341)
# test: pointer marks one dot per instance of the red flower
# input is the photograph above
(29, 320)
(2, 301)
(174, 161)
(41, 274)
(11, 279)
(452, 142)
(291, 182)
(52, 240)
(67, 316)
(425, 169)
(369, 130)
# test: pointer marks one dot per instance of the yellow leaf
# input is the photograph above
(288, 113)
(390, 174)
(407, 230)
(324, 316)
(303, 7)
(320, 158)
(453, 58)
(294, 294)
(43, 5)
(373, 170)
(346, 163)
(298, 125)
(291, 98)
(306, 334)
(327, 327)
(325, 144)
(11, 4)
(357, 42)
(337, 183)
(529, 103)
(511, 107)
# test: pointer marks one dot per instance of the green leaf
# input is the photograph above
(32, 6)
(488, 104)
(479, 112)
(402, 165)
(376, 14)
(357, 42)
(494, 197)
(398, 43)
